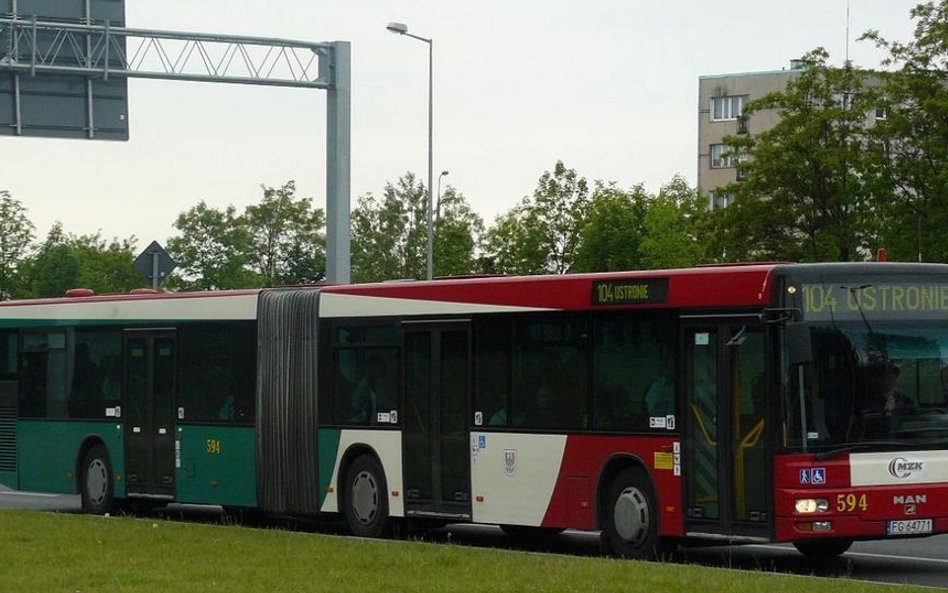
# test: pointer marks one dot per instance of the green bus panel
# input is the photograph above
(9, 479)
(48, 451)
(217, 465)
(328, 439)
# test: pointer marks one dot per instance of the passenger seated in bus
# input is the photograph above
(498, 418)
(86, 378)
(112, 380)
(660, 397)
(369, 392)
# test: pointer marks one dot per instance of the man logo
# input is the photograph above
(901, 468)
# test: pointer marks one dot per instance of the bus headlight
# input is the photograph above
(805, 506)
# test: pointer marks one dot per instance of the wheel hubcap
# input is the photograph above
(365, 497)
(631, 516)
(97, 481)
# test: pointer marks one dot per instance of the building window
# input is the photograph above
(724, 157)
(721, 199)
(881, 113)
(844, 100)
(727, 108)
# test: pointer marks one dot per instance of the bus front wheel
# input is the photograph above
(823, 548)
(366, 498)
(97, 493)
(630, 517)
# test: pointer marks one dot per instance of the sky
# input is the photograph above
(607, 86)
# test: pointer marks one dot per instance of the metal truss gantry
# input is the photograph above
(33, 47)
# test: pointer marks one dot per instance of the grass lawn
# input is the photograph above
(42, 552)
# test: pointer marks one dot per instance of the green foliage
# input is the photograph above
(390, 236)
(542, 234)
(914, 133)
(673, 227)
(65, 261)
(16, 237)
(809, 180)
(276, 242)
(614, 229)
(211, 251)
(286, 244)
(511, 245)
(457, 231)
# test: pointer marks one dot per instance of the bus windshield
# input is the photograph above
(879, 385)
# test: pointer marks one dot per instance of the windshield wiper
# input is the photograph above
(856, 447)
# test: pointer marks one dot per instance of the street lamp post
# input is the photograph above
(402, 29)
(438, 203)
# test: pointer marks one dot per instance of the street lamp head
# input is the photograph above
(445, 172)
(399, 28)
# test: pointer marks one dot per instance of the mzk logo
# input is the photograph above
(901, 468)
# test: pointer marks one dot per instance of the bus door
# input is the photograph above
(435, 437)
(150, 358)
(725, 460)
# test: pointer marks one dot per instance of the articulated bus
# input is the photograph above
(803, 403)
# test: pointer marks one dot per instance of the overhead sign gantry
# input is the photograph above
(64, 67)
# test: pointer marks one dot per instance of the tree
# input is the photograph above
(55, 269)
(457, 232)
(512, 245)
(914, 134)
(542, 234)
(286, 242)
(673, 227)
(211, 251)
(16, 237)
(106, 266)
(808, 192)
(389, 236)
(65, 261)
(279, 241)
(613, 231)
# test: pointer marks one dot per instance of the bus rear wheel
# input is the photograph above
(823, 548)
(630, 518)
(366, 498)
(97, 494)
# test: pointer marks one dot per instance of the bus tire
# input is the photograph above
(823, 548)
(97, 488)
(630, 517)
(366, 498)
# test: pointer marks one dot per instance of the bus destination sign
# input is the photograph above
(630, 292)
(898, 301)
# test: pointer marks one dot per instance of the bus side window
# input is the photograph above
(550, 372)
(492, 371)
(633, 370)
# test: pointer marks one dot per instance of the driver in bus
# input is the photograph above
(892, 398)
(881, 419)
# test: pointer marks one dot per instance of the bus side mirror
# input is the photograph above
(799, 346)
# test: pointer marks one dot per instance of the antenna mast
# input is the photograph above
(848, 2)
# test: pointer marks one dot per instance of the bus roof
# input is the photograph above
(712, 287)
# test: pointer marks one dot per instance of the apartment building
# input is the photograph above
(721, 101)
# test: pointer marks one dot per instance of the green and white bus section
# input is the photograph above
(801, 403)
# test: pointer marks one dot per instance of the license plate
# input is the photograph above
(908, 527)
